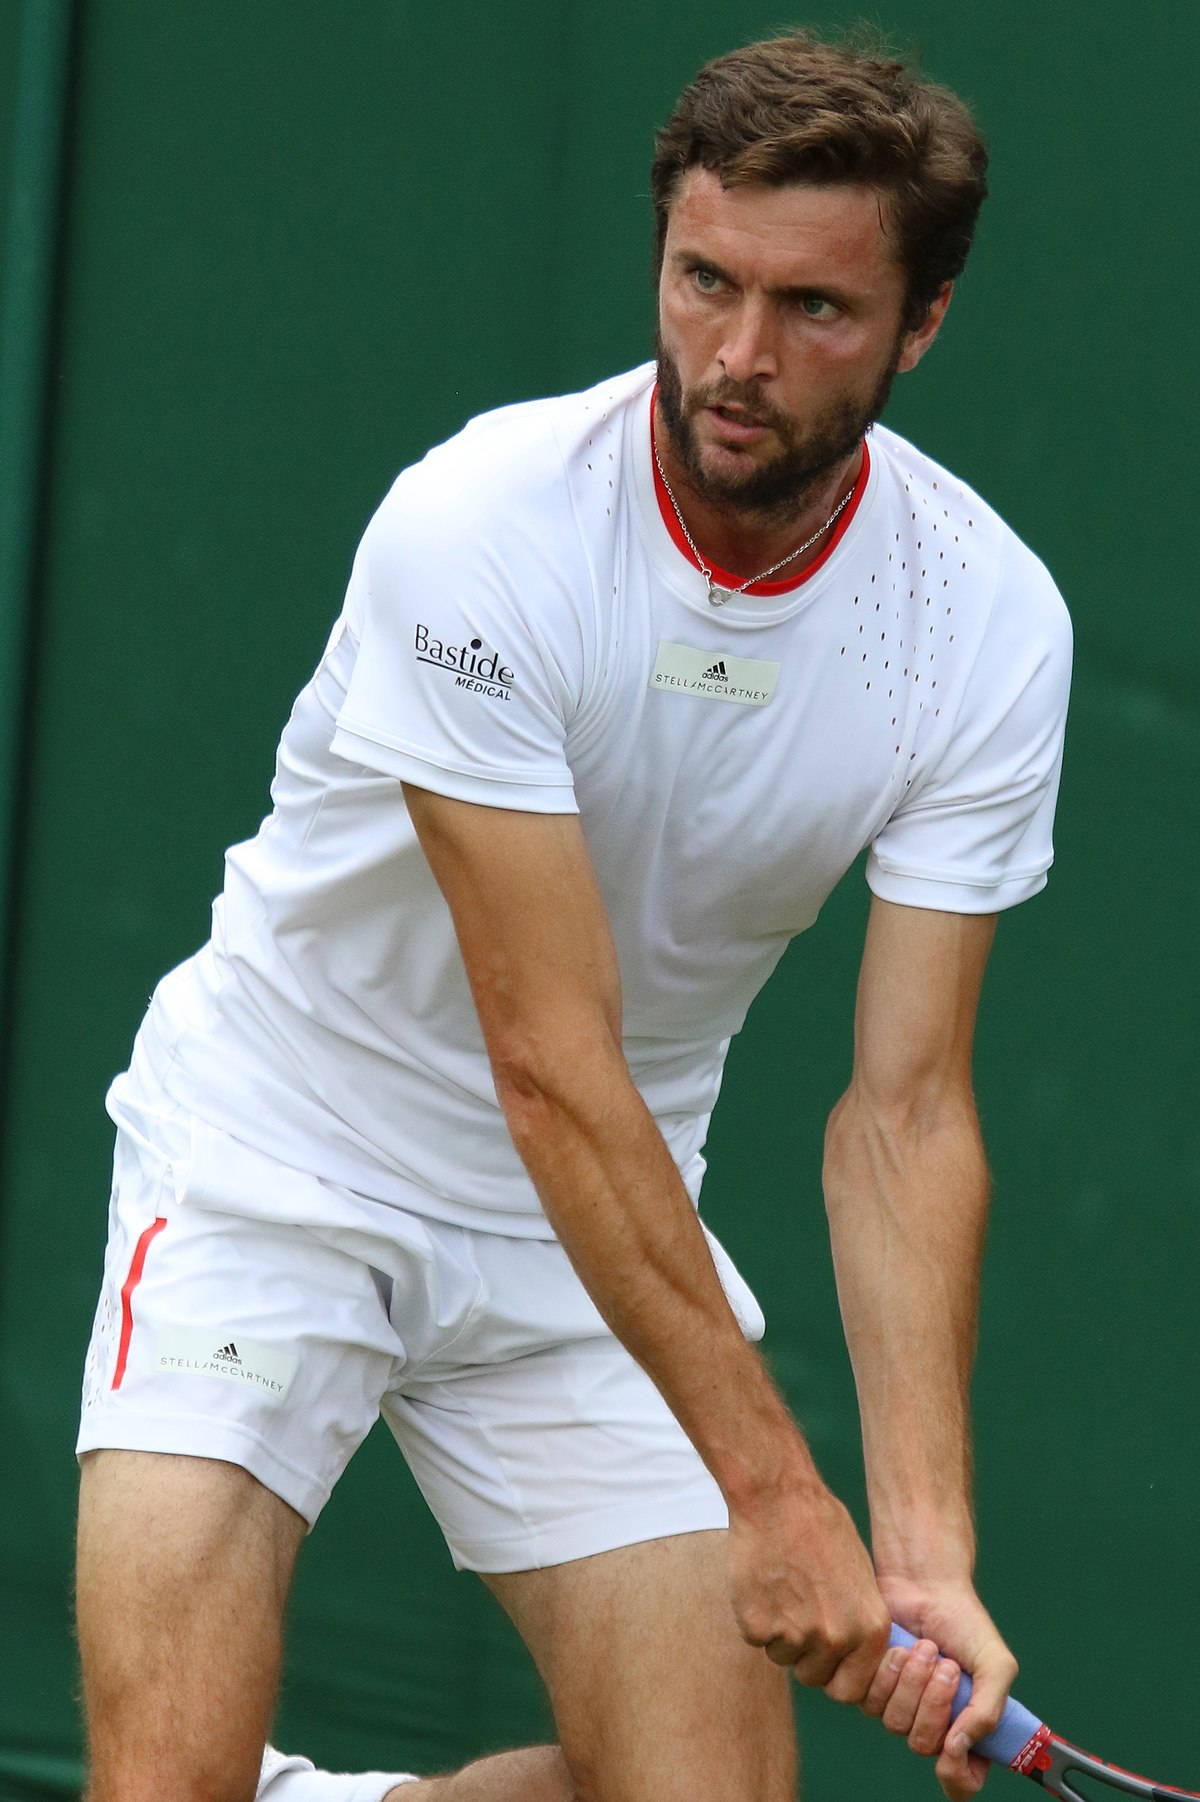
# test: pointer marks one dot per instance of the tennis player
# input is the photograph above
(624, 682)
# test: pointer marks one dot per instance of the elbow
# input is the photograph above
(525, 1076)
(529, 1097)
(542, 1079)
(910, 1111)
(844, 1143)
(871, 1138)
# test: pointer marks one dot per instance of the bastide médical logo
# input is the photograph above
(479, 671)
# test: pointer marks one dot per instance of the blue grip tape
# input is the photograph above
(1016, 1726)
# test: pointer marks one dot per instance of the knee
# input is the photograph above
(759, 1773)
(149, 1780)
(553, 1775)
(535, 1773)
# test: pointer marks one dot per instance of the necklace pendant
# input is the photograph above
(717, 596)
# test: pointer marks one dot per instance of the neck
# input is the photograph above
(746, 543)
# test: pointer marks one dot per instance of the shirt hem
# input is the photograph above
(952, 895)
(527, 794)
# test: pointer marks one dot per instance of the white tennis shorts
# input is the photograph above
(254, 1314)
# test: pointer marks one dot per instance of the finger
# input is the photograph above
(934, 1709)
(883, 1683)
(819, 1666)
(814, 1664)
(991, 1684)
(961, 1774)
(812, 1661)
(901, 1709)
(852, 1680)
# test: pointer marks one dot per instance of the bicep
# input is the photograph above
(529, 917)
(918, 996)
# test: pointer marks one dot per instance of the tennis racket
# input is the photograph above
(1027, 1745)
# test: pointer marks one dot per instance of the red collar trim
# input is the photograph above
(725, 577)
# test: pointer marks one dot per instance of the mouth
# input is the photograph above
(735, 425)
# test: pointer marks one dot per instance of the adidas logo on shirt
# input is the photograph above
(229, 1353)
(686, 669)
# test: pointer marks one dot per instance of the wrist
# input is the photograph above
(930, 1553)
(927, 1534)
(761, 1455)
(926, 1571)
(756, 1480)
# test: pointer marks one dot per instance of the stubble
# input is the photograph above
(777, 489)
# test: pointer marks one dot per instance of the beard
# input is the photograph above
(776, 489)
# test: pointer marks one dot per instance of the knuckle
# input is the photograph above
(756, 1628)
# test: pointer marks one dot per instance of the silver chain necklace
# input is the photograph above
(717, 596)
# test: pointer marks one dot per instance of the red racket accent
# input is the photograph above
(1034, 1755)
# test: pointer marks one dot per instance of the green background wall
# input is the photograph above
(299, 243)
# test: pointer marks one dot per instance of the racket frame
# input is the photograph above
(1059, 1758)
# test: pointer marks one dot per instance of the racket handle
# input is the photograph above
(1016, 1726)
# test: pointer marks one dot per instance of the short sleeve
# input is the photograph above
(974, 834)
(467, 653)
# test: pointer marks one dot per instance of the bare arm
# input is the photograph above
(535, 941)
(907, 1192)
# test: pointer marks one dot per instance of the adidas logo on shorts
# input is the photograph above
(189, 1351)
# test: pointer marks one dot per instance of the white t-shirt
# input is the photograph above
(523, 629)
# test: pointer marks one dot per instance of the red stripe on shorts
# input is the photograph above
(130, 1284)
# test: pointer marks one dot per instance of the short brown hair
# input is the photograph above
(796, 109)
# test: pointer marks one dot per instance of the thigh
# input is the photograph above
(654, 1691)
(183, 1572)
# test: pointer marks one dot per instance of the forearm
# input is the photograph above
(538, 952)
(616, 1200)
(907, 1202)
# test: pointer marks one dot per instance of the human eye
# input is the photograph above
(818, 306)
(705, 280)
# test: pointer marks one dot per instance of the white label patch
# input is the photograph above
(194, 1351)
(713, 675)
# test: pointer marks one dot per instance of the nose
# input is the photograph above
(748, 350)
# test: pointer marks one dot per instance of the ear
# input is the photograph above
(915, 343)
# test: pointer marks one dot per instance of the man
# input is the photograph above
(623, 683)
